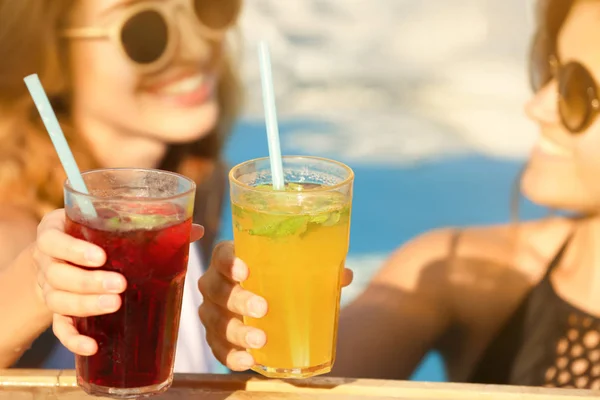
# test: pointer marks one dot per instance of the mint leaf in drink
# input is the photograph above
(264, 186)
(332, 219)
(237, 226)
(136, 221)
(292, 226)
(319, 219)
(278, 226)
(237, 211)
(148, 221)
(113, 223)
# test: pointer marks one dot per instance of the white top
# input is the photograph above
(193, 354)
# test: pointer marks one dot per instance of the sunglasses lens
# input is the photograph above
(145, 37)
(576, 91)
(217, 14)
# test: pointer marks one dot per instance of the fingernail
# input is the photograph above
(85, 348)
(255, 339)
(108, 303)
(257, 307)
(94, 255)
(114, 285)
(239, 270)
(245, 360)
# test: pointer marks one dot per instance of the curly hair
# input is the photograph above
(31, 176)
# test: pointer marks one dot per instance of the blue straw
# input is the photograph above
(268, 94)
(58, 140)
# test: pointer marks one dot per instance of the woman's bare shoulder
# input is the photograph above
(449, 256)
(474, 277)
(525, 247)
(17, 231)
(423, 254)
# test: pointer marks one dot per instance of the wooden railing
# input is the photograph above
(61, 385)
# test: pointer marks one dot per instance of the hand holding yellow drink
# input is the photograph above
(294, 242)
(291, 226)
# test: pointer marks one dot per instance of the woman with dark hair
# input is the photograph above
(509, 304)
(146, 84)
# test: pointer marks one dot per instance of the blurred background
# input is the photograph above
(416, 103)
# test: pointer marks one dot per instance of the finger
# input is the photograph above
(347, 277)
(197, 233)
(53, 220)
(66, 277)
(236, 359)
(231, 296)
(64, 329)
(57, 244)
(81, 305)
(225, 262)
(225, 324)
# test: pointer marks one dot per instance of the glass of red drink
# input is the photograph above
(142, 219)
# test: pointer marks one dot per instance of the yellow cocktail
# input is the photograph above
(295, 243)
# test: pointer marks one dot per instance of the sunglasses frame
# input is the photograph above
(558, 71)
(168, 11)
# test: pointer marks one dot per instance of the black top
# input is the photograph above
(546, 342)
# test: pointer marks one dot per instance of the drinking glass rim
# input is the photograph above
(67, 186)
(245, 186)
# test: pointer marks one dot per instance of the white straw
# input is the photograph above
(270, 116)
(40, 98)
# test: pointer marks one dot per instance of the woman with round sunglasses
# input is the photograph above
(135, 84)
(510, 304)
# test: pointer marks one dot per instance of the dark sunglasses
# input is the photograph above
(147, 33)
(578, 102)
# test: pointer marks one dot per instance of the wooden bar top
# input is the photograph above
(16, 384)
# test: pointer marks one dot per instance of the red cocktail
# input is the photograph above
(147, 242)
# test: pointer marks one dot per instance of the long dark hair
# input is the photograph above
(551, 14)
(550, 17)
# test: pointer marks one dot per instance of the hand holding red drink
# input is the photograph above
(70, 291)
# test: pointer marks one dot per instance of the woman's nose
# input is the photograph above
(543, 106)
(192, 45)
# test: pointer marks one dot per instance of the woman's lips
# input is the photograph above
(185, 91)
(548, 148)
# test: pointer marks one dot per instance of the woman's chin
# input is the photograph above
(185, 127)
(557, 197)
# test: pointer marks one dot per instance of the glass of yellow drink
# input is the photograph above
(295, 243)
